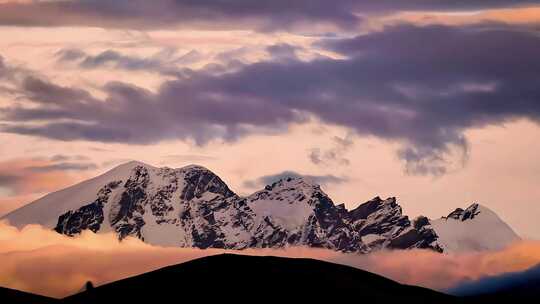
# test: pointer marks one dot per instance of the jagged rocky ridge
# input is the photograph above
(193, 207)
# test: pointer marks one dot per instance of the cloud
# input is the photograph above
(390, 84)
(269, 179)
(64, 167)
(514, 282)
(180, 110)
(7, 179)
(64, 264)
(62, 157)
(68, 55)
(283, 51)
(141, 14)
(526, 15)
(186, 158)
(19, 176)
(3, 67)
(214, 14)
(23, 180)
(427, 161)
(333, 155)
(8, 73)
(166, 61)
(444, 271)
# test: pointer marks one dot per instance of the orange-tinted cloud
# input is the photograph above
(18, 176)
(41, 261)
(23, 180)
(516, 16)
(443, 271)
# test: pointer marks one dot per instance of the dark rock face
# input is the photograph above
(195, 208)
(200, 181)
(331, 221)
(364, 210)
(413, 238)
(88, 216)
(420, 222)
(127, 217)
(470, 213)
(207, 220)
(383, 225)
(270, 235)
(463, 215)
(420, 236)
(377, 216)
(456, 214)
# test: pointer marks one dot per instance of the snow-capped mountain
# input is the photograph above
(193, 207)
(475, 228)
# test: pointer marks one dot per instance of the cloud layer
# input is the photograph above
(512, 283)
(64, 264)
(22, 180)
(389, 84)
(165, 61)
(214, 14)
(23, 176)
(269, 179)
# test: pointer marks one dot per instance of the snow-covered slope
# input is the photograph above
(193, 207)
(295, 211)
(474, 229)
(45, 211)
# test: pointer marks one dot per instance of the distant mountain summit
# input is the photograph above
(475, 228)
(193, 207)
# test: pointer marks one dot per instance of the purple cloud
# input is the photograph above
(219, 14)
(391, 84)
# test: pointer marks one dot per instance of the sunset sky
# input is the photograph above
(434, 102)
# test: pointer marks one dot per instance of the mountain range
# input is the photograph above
(193, 207)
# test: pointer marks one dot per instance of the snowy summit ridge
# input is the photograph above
(193, 207)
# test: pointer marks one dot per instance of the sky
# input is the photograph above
(434, 102)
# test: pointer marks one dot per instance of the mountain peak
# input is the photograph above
(132, 164)
(193, 207)
(123, 170)
(467, 229)
(290, 182)
(374, 205)
(194, 167)
(294, 211)
(467, 214)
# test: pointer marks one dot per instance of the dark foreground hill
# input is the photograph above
(11, 296)
(232, 278)
(243, 279)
